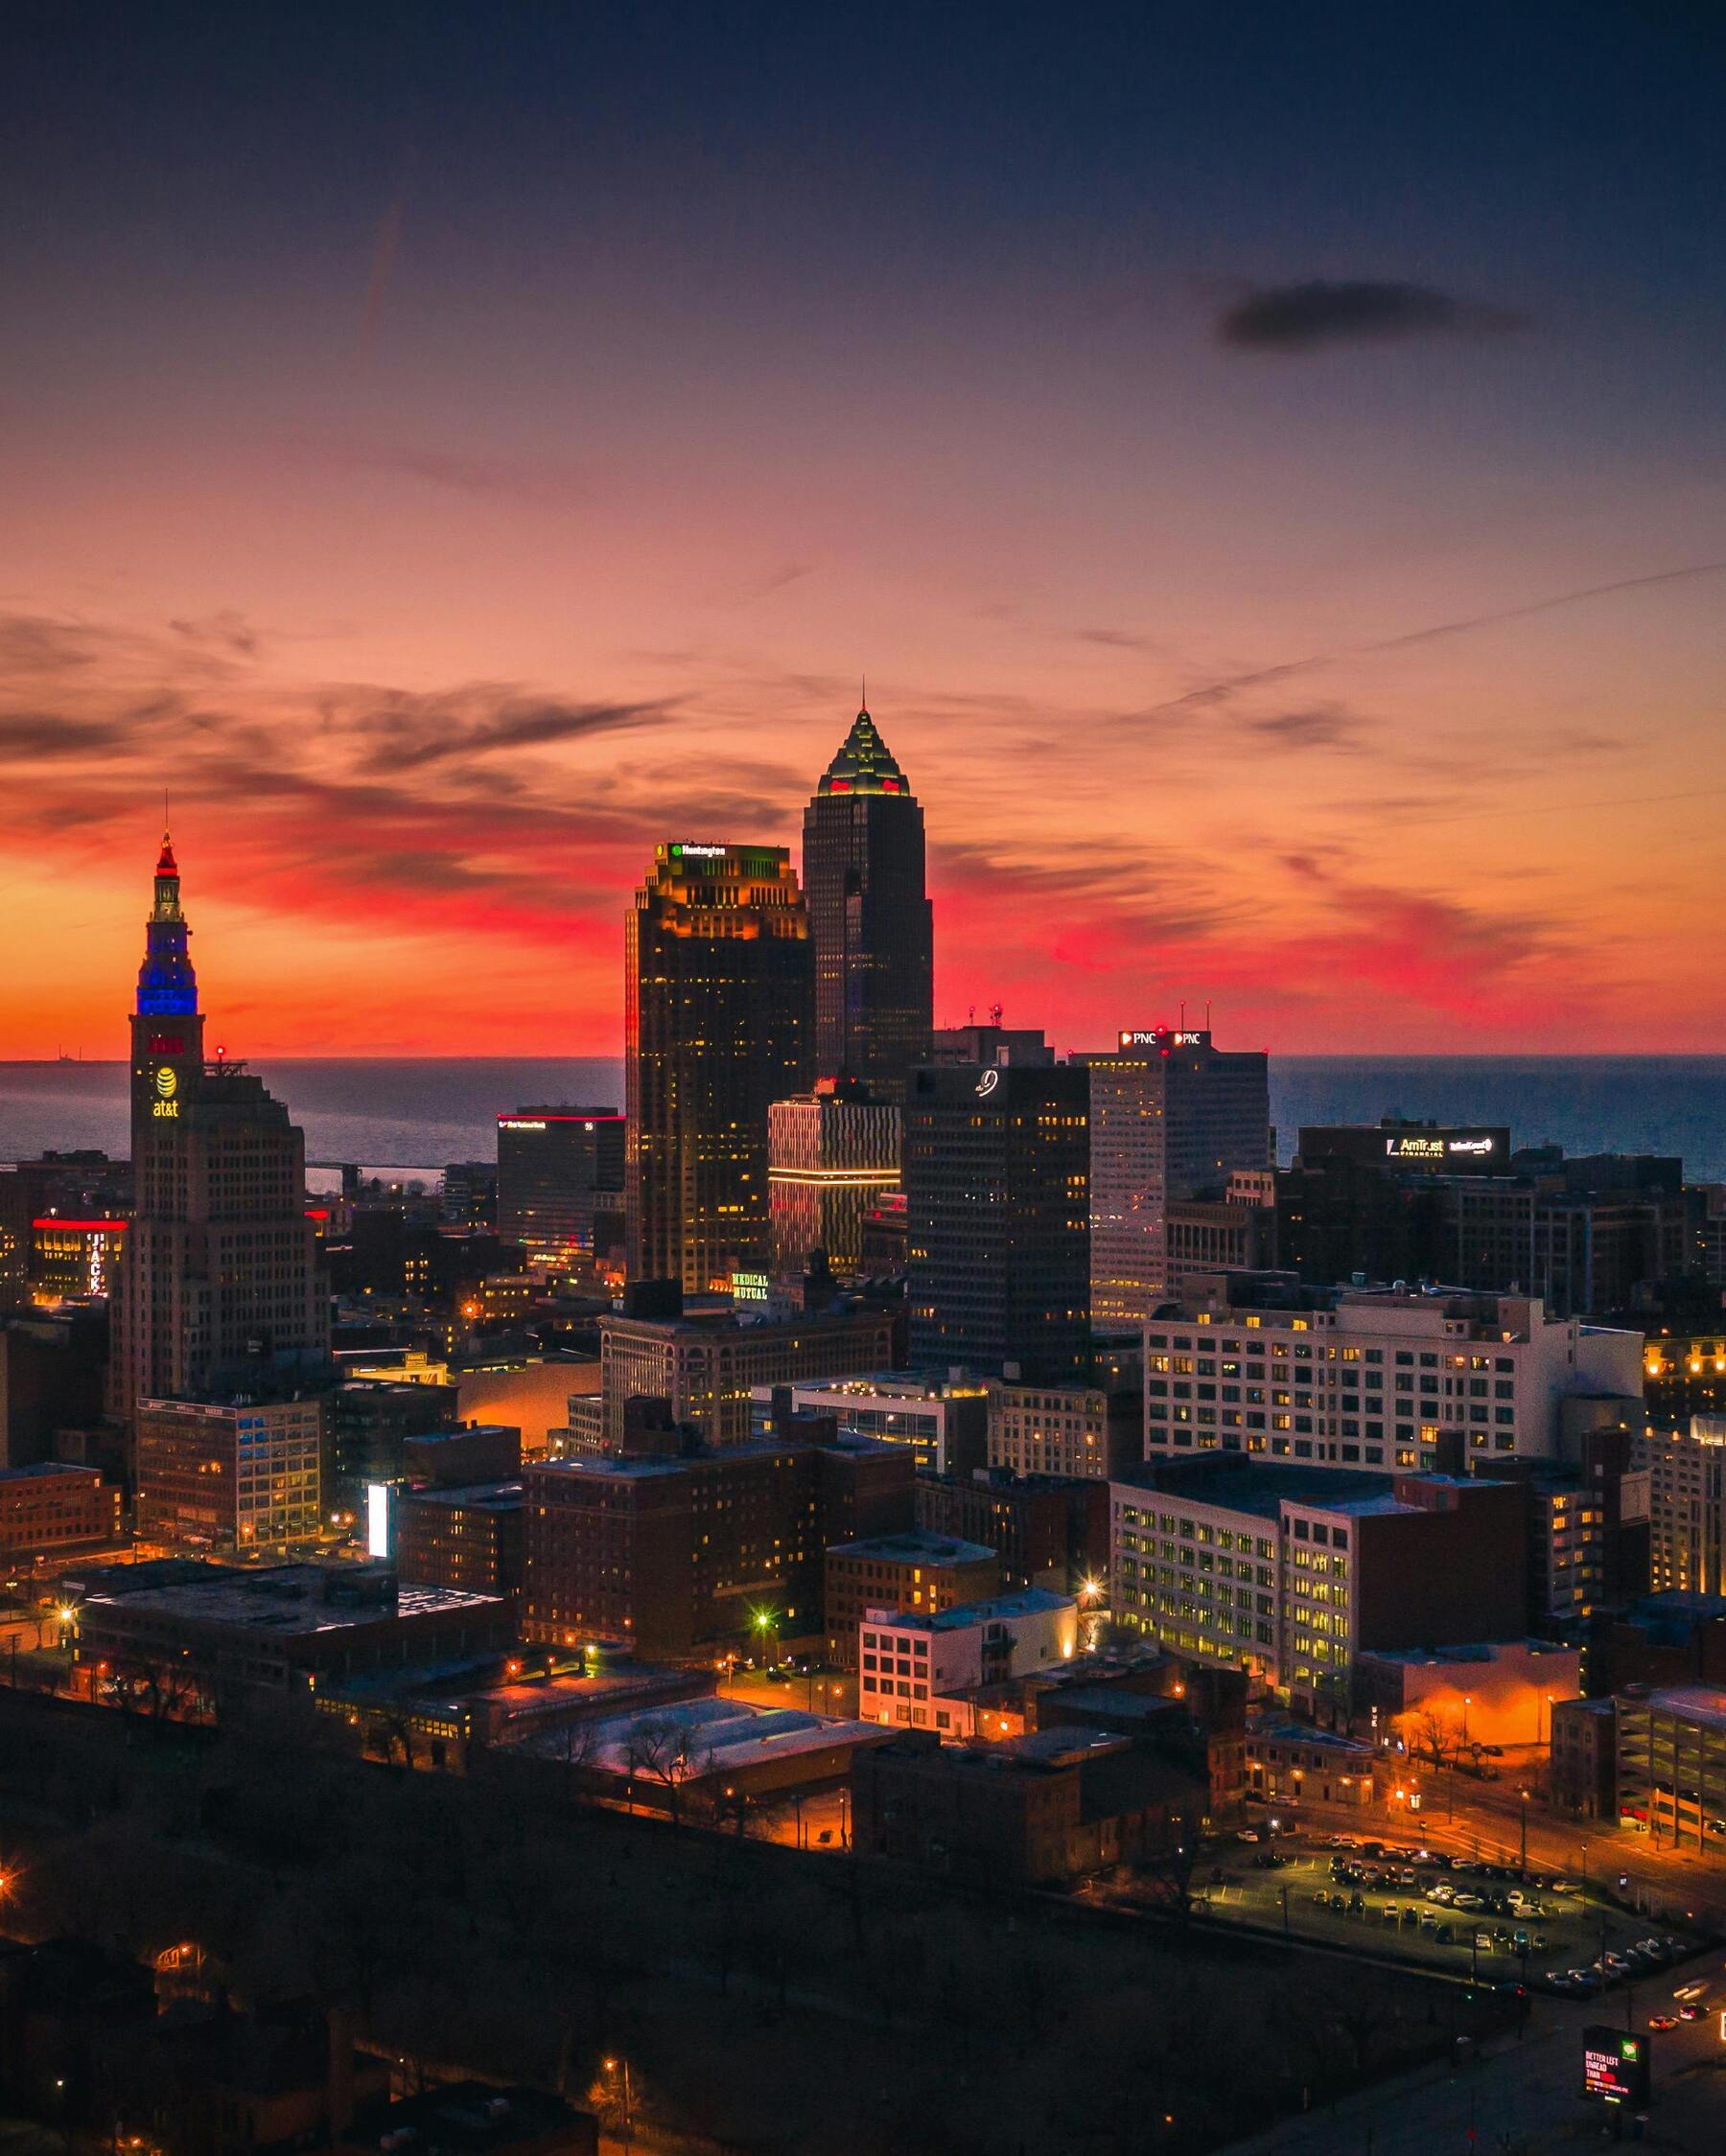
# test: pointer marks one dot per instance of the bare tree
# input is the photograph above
(1433, 1739)
(666, 1749)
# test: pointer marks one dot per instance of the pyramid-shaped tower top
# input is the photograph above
(864, 764)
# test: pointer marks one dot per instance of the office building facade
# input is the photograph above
(1171, 1117)
(832, 1156)
(220, 1276)
(1291, 1573)
(1687, 1505)
(718, 1024)
(228, 1476)
(1094, 1432)
(941, 1421)
(559, 1170)
(997, 1186)
(1348, 1377)
(870, 918)
(707, 1368)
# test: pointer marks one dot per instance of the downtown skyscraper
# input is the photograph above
(869, 916)
(1172, 1118)
(718, 989)
(221, 1281)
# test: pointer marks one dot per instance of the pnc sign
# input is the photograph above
(1164, 1037)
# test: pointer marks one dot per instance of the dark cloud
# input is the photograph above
(541, 483)
(439, 730)
(47, 734)
(1322, 725)
(34, 643)
(229, 630)
(1352, 310)
(1117, 639)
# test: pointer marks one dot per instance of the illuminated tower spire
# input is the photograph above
(869, 914)
(167, 985)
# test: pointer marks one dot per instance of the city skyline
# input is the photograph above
(1292, 579)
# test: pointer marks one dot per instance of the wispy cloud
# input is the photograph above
(1227, 685)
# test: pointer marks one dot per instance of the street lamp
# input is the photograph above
(1465, 1707)
(1523, 1866)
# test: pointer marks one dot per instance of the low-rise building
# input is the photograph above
(1671, 1766)
(1047, 1530)
(238, 1474)
(705, 1757)
(53, 1508)
(942, 1422)
(1035, 1811)
(914, 1571)
(1672, 1640)
(1500, 1691)
(1582, 1767)
(229, 1633)
(922, 1671)
(1290, 1762)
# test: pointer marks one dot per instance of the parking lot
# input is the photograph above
(1465, 1917)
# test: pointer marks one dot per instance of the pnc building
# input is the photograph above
(1172, 1118)
(219, 1275)
(718, 985)
(870, 918)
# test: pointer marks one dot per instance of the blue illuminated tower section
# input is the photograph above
(166, 1027)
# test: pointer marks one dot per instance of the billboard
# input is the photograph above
(1616, 2066)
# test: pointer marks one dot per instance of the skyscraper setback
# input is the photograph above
(719, 1023)
(870, 917)
(220, 1274)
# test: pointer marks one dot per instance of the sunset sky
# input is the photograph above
(1267, 461)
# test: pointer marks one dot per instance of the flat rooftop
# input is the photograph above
(720, 1736)
(286, 1600)
(915, 1547)
(36, 1470)
(1239, 1484)
(471, 1496)
(1280, 1729)
(1693, 1702)
(1029, 1602)
(1475, 1654)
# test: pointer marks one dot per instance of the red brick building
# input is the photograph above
(1037, 1524)
(914, 1571)
(56, 1507)
(677, 1552)
(468, 1536)
(1032, 1811)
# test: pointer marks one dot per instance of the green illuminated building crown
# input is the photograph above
(864, 764)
